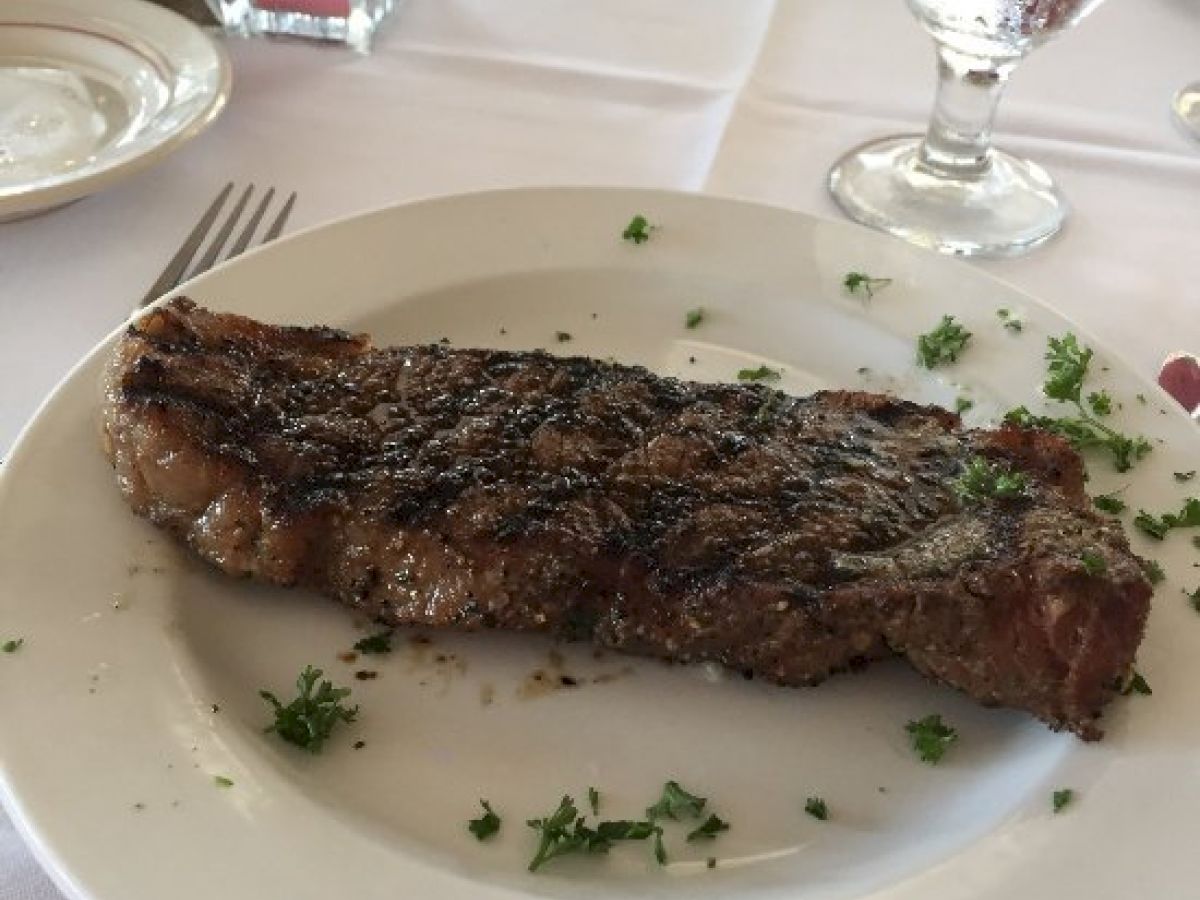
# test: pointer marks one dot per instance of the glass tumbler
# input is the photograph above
(351, 22)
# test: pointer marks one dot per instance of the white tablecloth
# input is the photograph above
(752, 98)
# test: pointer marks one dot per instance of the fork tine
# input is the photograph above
(173, 273)
(214, 249)
(281, 219)
(243, 239)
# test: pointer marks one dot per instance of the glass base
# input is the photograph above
(1006, 210)
(1187, 110)
(351, 22)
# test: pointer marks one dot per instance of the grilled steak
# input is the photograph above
(786, 537)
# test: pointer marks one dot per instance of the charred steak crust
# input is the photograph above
(787, 537)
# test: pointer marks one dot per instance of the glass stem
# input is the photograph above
(959, 141)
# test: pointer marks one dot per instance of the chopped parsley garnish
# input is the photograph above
(1067, 365)
(1109, 503)
(710, 828)
(486, 825)
(605, 833)
(931, 737)
(222, 781)
(375, 643)
(1061, 798)
(1185, 476)
(694, 317)
(594, 800)
(766, 410)
(943, 344)
(711, 862)
(1158, 526)
(1155, 526)
(559, 833)
(309, 719)
(12, 645)
(638, 230)
(1100, 402)
(675, 802)
(562, 336)
(762, 373)
(981, 480)
(1137, 684)
(962, 404)
(1154, 572)
(1010, 321)
(816, 808)
(1093, 562)
(1193, 598)
(861, 284)
(564, 831)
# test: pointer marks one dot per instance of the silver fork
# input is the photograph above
(177, 272)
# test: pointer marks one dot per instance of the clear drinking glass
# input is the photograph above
(350, 22)
(951, 190)
(1186, 106)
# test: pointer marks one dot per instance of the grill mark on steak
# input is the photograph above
(787, 537)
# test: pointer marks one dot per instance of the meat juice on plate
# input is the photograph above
(999, 28)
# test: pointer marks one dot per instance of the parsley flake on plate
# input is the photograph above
(638, 230)
(1184, 476)
(816, 808)
(1093, 562)
(931, 737)
(564, 831)
(1010, 321)
(486, 825)
(1059, 799)
(1066, 369)
(864, 285)
(982, 480)
(1109, 503)
(1154, 571)
(309, 719)
(1193, 598)
(1158, 526)
(1100, 402)
(594, 800)
(562, 336)
(762, 373)
(1137, 684)
(676, 802)
(694, 317)
(559, 834)
(378, 643)
(962, 404)
(943, 344)
(12, 645)
(222, 781)
(710, 828)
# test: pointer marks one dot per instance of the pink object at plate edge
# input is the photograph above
(1180, 377)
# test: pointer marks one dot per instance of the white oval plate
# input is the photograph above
(111, 741)
(94, 90)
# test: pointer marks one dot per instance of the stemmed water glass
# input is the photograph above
(1186, 106)
(951, 190)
